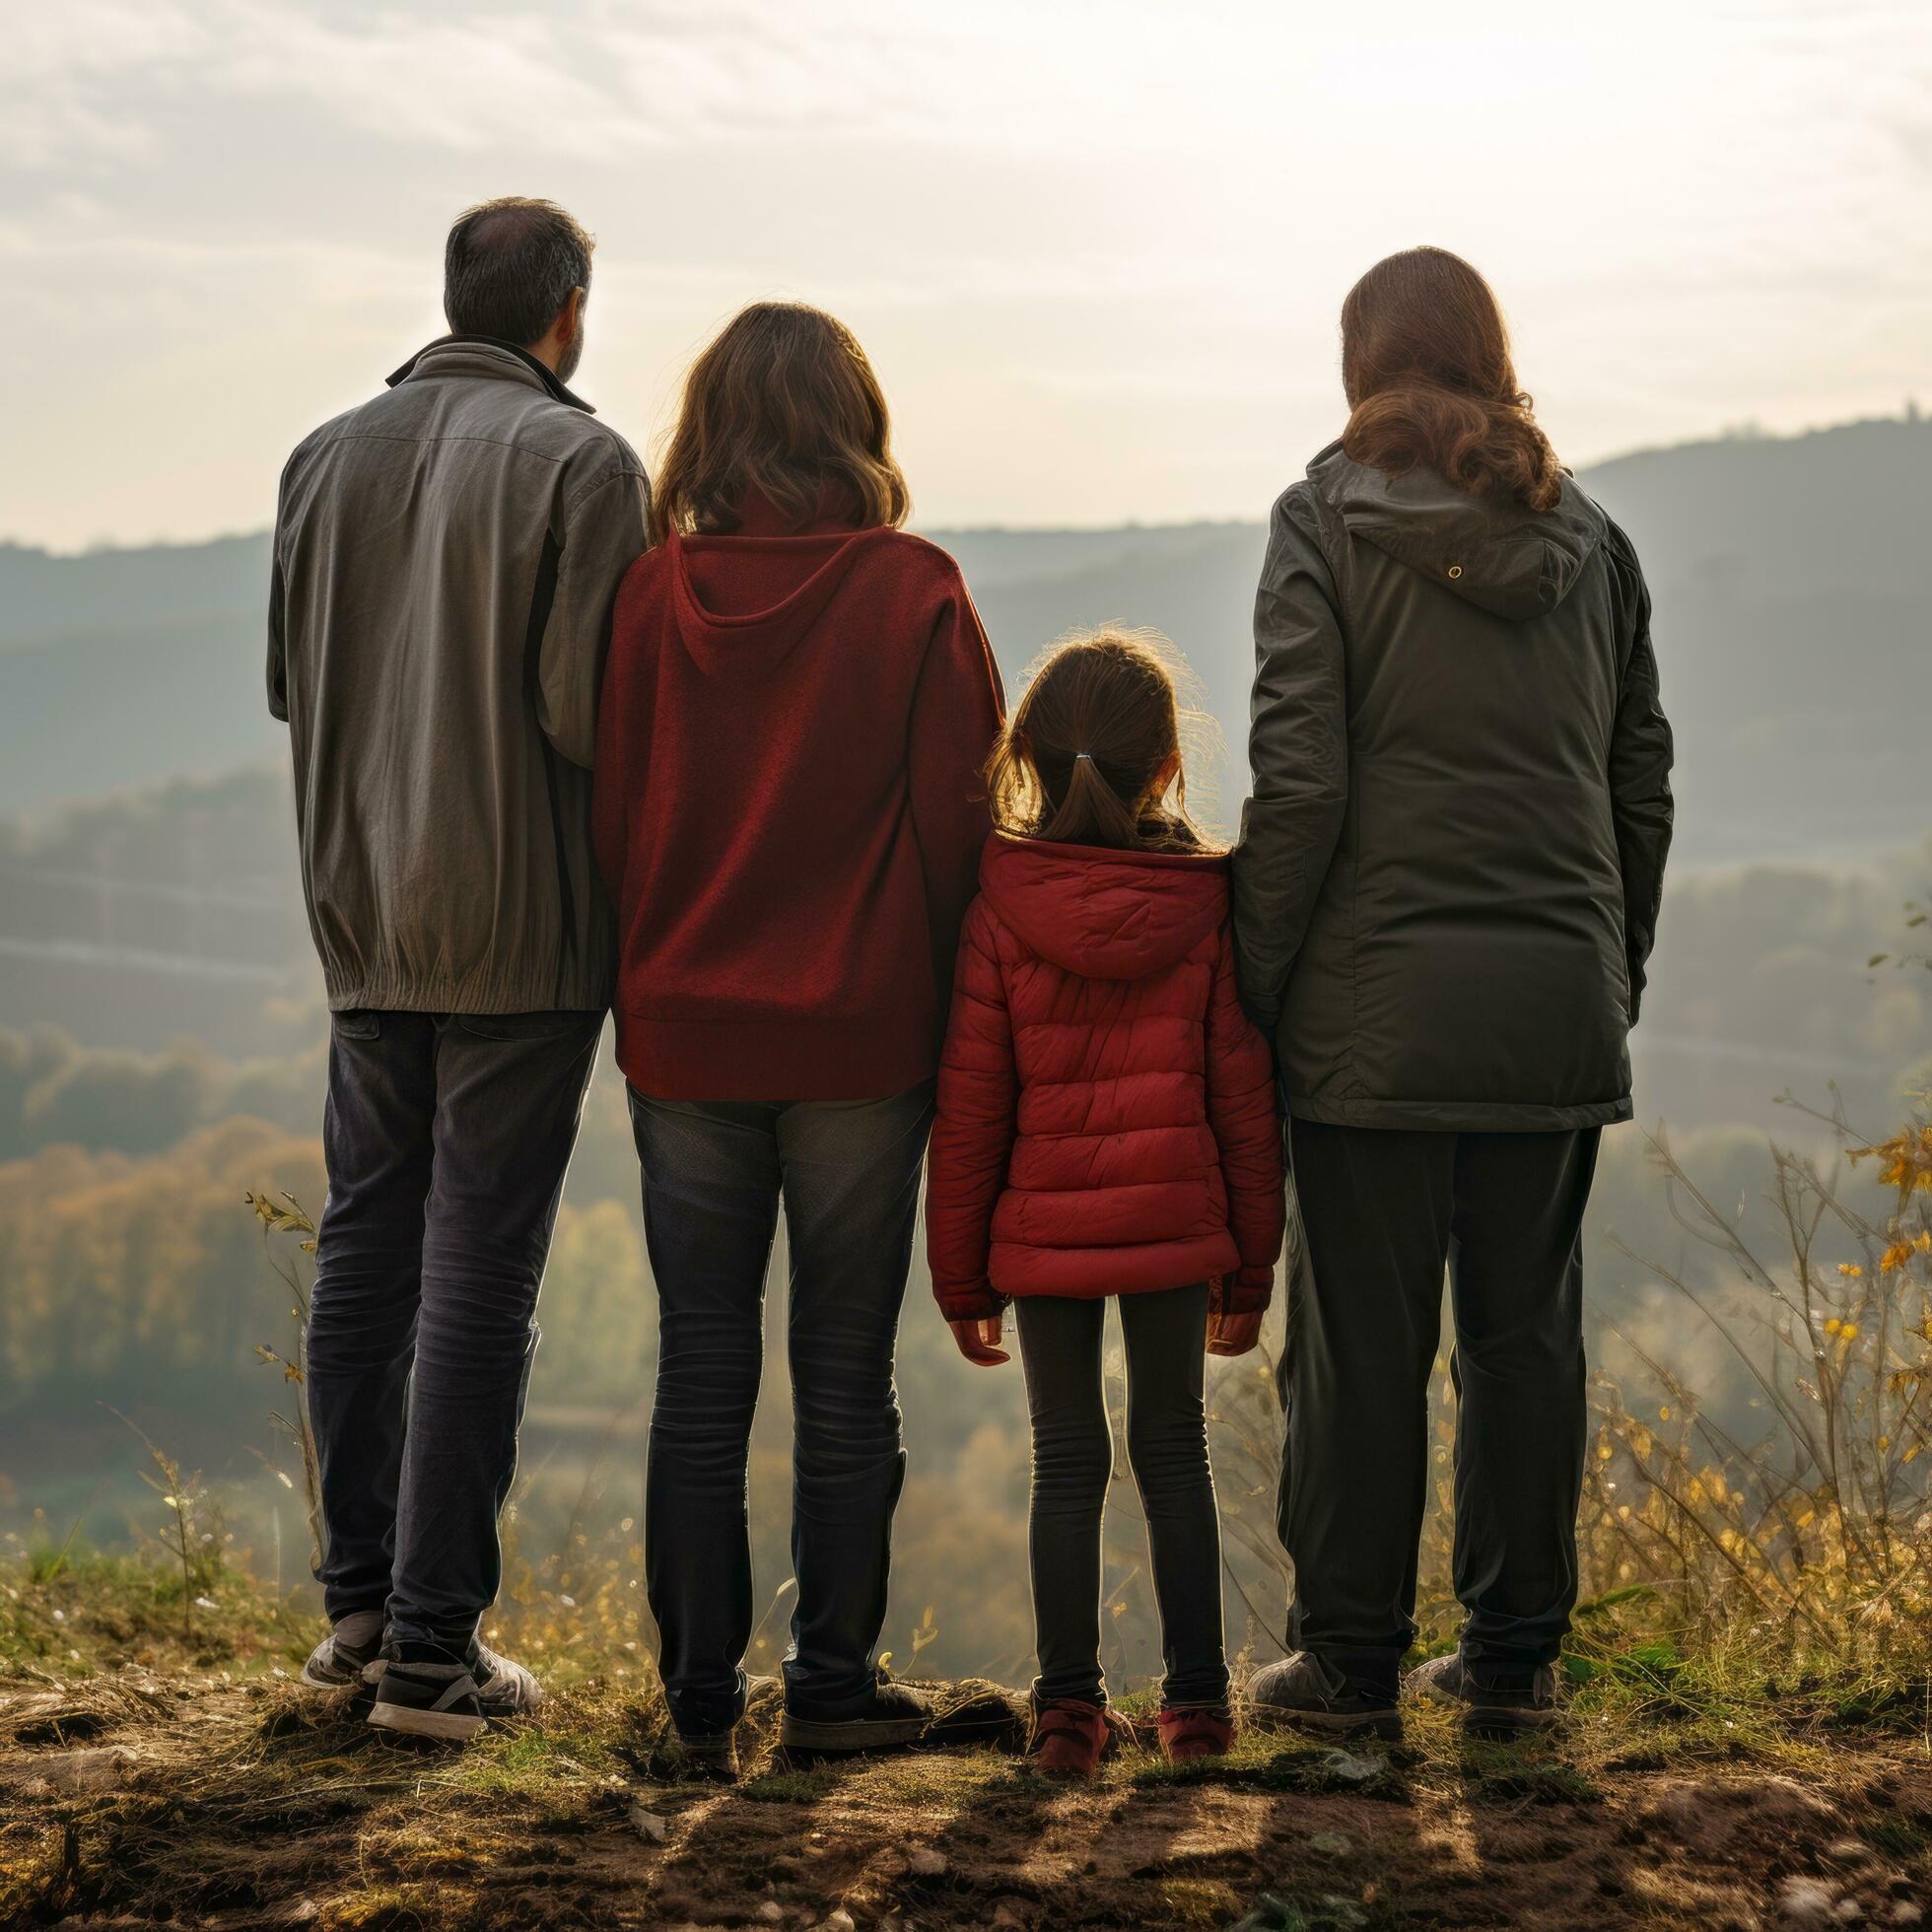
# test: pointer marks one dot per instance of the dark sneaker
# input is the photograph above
(1069, 1738)
(889, 1717)
(350, 1657)
(1194, 1731)
(1498, 1704)
(427, 1692)
(1310, 1695)
(705, 1754)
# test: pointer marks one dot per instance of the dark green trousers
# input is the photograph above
(1384, 1213)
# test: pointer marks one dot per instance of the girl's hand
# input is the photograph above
(1230, 1334)
(979, 1341)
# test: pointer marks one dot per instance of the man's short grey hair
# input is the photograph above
(510, 266)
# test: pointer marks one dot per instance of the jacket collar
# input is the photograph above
(546, 376)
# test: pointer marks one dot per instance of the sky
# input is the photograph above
(1096, 252)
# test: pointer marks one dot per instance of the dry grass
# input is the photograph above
(1748, 1737)
(209, 1789)
(1718, 1570)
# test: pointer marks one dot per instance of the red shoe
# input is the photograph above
(1069, 1738)
(1195, 1731)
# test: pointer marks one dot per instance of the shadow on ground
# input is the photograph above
(138, 1797)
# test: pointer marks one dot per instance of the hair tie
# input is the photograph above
(1087, 755)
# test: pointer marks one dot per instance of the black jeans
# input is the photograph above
(1384, 1210)
(1166, 1335)
(714, 1175)
(446, 1137)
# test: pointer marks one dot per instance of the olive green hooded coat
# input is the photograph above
(1449, 873)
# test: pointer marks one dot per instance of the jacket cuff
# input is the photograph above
(969, 1303)
(1247, 1291)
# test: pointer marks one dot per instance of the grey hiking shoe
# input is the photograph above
(350, 1657)
(1494, 1703)
(427, 1692)
(1305, 1693)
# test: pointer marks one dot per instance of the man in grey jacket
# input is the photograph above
(446, 559)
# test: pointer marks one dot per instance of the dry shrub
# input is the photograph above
(1808, 1546)
(1812, 1538)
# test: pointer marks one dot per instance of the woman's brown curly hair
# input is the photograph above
(1427, 369)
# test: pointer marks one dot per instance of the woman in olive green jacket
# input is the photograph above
(1445, 892)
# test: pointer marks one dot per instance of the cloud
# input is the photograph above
(86, 82)
(1106, 232)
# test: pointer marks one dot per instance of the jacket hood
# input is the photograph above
(721, 606)
(1103, 914)
(1501, 557)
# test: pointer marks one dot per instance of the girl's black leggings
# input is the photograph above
(1061, 1343)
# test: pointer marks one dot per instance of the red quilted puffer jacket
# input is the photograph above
(1107, 1121)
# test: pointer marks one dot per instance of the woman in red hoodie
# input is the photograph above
(1107, 1127)
(788, 811)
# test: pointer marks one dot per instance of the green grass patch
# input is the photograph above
(75, 1612)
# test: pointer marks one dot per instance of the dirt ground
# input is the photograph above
(138, 1798)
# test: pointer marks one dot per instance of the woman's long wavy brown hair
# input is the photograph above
(782, 402)
(1092, 754)
(1427, 369)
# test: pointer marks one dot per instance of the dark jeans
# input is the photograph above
(1383, 1211)
(446, 1137)
(1166, 1335)
(714, 1175)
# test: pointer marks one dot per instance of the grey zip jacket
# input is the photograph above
(445, 561)
(1449, 873)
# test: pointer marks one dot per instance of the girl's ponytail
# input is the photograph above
(1092, 754)
(1092, 812)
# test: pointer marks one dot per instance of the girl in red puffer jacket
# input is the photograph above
(1106, 1126)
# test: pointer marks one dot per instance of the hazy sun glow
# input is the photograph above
(1095, 249)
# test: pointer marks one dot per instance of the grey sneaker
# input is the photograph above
(1522, 1701)
(1305, 1693)
(427, 1692)
(349, 1657)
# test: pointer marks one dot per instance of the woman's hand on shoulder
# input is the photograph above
(1235, 1334)
(979, 1341)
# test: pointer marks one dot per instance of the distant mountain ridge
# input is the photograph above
(1791, 578)
(44, 595)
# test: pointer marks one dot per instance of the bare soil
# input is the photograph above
(140, 1797)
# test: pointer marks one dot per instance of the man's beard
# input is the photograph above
(572, 356)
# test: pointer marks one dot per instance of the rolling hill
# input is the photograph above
(147, 886)
(1791, 578)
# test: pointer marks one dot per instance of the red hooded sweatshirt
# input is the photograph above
(1107, 1121)
(789, 809)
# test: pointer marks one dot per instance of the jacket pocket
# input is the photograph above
(358, 1023)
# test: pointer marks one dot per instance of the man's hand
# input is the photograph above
(1227, 1335)
(979, 1341)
